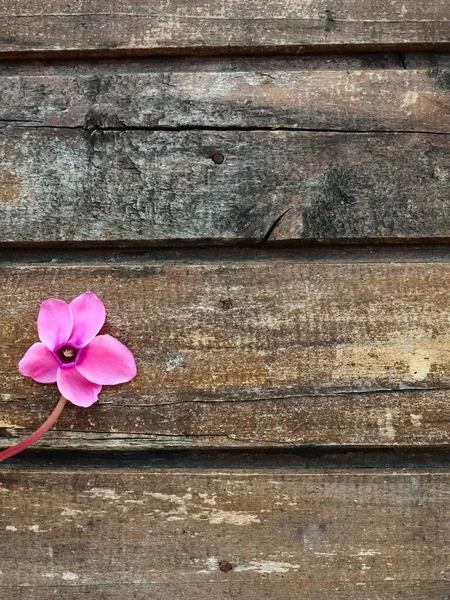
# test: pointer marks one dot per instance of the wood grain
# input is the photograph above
(127, 534)
(347, 94)
(93, 26)
(252, 353)
(59, 185)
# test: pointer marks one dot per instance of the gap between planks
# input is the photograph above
(305, 459)
(83, 254)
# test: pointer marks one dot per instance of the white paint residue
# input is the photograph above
(386, 427)
(69, 576)
(173, 498)
(440, 173)
(368, 552)
(178, 511)
(181, 505)
(211, 501)
(410, 99)
(211, 565)
(70, 512)
(266, 567)
(416, 420)
(419, 365)
(34, 528)
(174, 362)
(8, 425)
(217, 517)
(105, 493)
(11, 528)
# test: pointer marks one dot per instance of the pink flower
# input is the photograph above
(71, 355)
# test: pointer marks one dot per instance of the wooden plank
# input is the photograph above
(139, 186)
(127, 534)
(268, 353)
(315, 93)
(93, 26)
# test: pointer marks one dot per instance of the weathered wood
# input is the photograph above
(360, 419)
(130, 534)
(300, 93)
(421, 60)
(166, 27)
(267, 353)
(71, 185)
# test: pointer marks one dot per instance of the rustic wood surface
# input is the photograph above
(290, 420)
(246, 353)
(408, 418)
(353, 93)
(126, 534)
(146, 187)
(136, 26)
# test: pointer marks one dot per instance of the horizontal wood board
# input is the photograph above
(130, 534)
(233, 354)
(59, 185)
(71, 169)
(98, 26)
(349, 93)
(246, 354)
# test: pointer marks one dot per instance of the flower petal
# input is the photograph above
(107, 361)
(88, 318)
(39, 363)
(76, 388)
(54, 323)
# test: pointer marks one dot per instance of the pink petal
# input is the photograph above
(88, 318)
(39, 363)
(76, 388)
(107, 361)
(54, 323)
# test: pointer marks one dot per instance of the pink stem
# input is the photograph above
(26, 443)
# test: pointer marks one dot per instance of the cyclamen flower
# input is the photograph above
(71, 354)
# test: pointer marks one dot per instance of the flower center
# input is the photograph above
(67, 354)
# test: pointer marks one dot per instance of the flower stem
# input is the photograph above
(26, 443)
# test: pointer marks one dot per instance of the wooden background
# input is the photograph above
(260, 194)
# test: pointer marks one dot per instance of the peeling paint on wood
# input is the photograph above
(376, 535)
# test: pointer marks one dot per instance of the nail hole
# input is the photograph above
(225, 566)
(226, 304)
(218, 158)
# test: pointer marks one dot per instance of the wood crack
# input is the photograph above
(274, 226)
(311, 395)
(232, 128)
